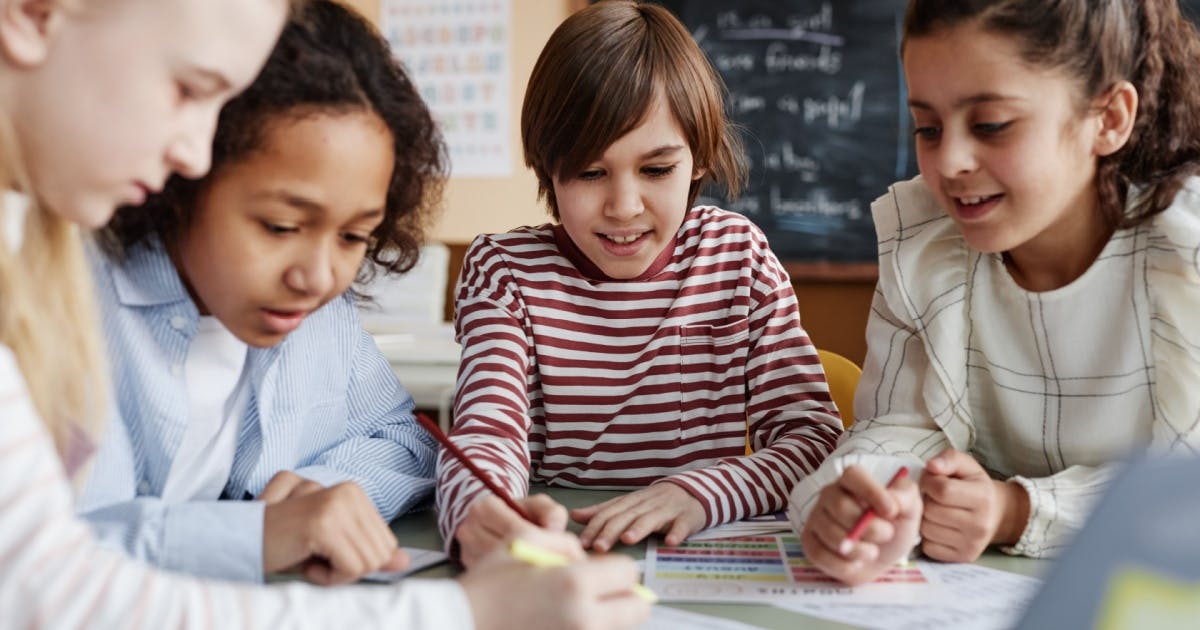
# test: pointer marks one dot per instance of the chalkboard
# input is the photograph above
(1191, 10)
(817, 89)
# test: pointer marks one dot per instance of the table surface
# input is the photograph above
(420, 530)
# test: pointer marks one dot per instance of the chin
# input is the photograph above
(264, 340)
(256, 338)
(986, 241)
(624, 272)
(91, 214)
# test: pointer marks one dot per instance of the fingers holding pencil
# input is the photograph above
(592, 592)
(495, 518)
(885, 520)
(843, 505)
(890, 510)
(489, 525)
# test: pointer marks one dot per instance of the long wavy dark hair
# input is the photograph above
(328, 59)
(1101, 42)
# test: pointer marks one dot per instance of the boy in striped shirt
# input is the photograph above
(635, 343)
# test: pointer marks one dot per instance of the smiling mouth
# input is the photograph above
(624, 239)
(975, 201)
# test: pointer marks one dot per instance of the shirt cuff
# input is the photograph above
(693, 482)
(440, 604)
(1030, 543)
(215, 539)
(324, 475)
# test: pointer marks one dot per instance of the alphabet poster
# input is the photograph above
(457, 52)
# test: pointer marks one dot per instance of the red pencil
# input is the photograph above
(860, 526)
(437, 434)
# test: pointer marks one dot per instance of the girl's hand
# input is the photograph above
(332, 535)
(591, 593)
(889, 537)
(966, 510)
(489, 525)
(662, 507)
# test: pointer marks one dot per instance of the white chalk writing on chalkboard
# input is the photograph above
(816, 86)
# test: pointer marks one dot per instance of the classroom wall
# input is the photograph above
(833, 312)
(474, 206)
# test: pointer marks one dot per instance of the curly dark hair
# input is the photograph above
(1101, 42)
(328, 59)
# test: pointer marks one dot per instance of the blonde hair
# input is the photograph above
(48, 318)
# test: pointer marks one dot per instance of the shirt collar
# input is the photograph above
(147, 277)
(16, 206)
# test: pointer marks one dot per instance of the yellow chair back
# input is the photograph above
(842, 374)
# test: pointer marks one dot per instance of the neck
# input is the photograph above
(1061, 253)
(176, 257)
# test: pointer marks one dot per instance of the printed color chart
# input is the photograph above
(765, 568)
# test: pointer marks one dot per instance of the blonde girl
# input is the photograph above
(101, 100)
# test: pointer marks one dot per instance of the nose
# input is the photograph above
(624, 199)
(189, 152)
(956, 156)
(312, 273)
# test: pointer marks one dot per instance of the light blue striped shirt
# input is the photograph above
(324, 403)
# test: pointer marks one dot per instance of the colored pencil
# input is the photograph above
(462, 458)
(860, 526)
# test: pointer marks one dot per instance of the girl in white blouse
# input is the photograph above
(1039, 283)
(100, 100)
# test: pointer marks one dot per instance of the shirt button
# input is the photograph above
(176, 369)
(143, 487)
(179, 322)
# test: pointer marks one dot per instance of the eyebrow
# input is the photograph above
(217, 81)
(663, 150)
(976, 99)
(310, 207)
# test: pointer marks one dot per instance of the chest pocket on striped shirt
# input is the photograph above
(713, 365)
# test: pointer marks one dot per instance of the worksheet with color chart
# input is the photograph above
(767, 569)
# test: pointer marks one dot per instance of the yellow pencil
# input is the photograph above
(539, 557)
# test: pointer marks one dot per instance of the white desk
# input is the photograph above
(425, 359)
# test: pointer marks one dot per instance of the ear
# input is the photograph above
(28, 28)
(1117, 109)
(697, 173)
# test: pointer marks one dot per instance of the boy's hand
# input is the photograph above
(332, 535)
(888, 538)
(490, 525)
(966, 510)
(662, 507)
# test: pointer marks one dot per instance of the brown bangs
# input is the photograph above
(595, 81)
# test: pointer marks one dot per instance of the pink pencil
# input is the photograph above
(860, 526)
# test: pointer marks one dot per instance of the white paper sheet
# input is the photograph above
(666, 618)
(973, 598)
(419, 559)
(776, 523)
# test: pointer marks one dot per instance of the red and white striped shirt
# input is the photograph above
(578, 380)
